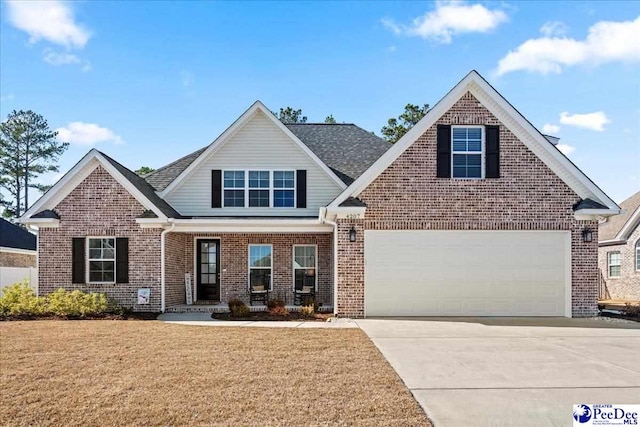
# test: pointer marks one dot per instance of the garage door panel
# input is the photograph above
(466, 273)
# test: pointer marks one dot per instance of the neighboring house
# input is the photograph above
(17, 246)
(619, 252)
(18, 256)
(472, 212)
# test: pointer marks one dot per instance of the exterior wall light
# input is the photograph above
(587, 235)
(352, 235)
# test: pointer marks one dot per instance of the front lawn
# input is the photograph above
(151, 373)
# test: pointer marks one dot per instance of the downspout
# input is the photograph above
(323, 219)
(162, 262)
(36, 231)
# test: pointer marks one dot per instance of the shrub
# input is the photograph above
(275, 302)
(279, 310)
(308, 311)
(20, 299)
(76, 303)
(238, 308)
(310, 302)
(630, 310)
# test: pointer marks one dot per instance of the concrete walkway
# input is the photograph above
(506, 372)
(204, 319)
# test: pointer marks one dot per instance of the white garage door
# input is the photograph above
(467, 273)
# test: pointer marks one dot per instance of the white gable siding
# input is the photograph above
(259, 145)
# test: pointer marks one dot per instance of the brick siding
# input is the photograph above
(627, 286)
(234, 271)
(12, 259)
(100, 206)
(527, 196)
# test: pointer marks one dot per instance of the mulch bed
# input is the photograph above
(265, 315)
(104, 316)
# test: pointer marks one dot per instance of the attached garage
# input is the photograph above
(467, 273)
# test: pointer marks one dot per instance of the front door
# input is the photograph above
(208, 269)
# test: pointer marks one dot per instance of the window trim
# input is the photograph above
(482, 152)
(259, 268)
(271, 188)
(638, 255)
(609, 265)
(293, 264)
(88, 260)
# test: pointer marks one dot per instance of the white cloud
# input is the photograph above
(606, 42)
(593, 121)
(87, 134)
(554, 28)
(566, 149)
(64, 58)
(448, 19)
(550, 129)
(51, 20)
(7, 98)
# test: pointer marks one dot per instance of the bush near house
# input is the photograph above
(20, 301)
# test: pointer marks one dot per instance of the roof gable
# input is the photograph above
(232, 130)
(621, 226)
(509, 117)
(135, 185)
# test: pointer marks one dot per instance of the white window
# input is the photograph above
(614, 263)
(101, 259)
(234, 186)
(638, 255)
(259, 189)
(260, 265)
(305, 266)
(467, 151)
(284, 189)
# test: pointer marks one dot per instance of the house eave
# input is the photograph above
(346, 212)
(594, 214)
(230, 225)
(40, 222)
(613, 242)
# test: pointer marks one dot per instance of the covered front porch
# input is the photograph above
(226, 265)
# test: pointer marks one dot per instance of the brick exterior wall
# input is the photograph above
(100, 206)
(527, 196)
(12, 259)
(627, 286)
(234, 273)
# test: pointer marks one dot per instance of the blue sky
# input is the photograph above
(148, 82)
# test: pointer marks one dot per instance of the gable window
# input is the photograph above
(102, 260)
(260, 266)
(305, 268)
(638, 255)
(467, 143)
(284, 189)
(234, 188)
(259, 189)
(614, 261)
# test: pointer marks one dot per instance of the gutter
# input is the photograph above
(324, 220)
(162, 262)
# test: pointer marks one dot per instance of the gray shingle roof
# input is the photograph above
(145, 188)
(588, 204)
(609, 229)
(346, 148)
(162, 177)
(353, 202)
(13, 236)
(47, 213)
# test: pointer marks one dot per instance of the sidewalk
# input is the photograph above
(204, 319)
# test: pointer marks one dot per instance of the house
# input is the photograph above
(17, 246)
(472, 212)
(619, 252)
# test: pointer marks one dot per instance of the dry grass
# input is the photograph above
(148, 373)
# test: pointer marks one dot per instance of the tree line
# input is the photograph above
(29, 148)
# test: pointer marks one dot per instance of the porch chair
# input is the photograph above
(258, 291)
(305, 291)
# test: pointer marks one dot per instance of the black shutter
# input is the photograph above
(492, 152)
(444, 151)
(301, 189)
(216, 188)
(122, 260)
(78, 261)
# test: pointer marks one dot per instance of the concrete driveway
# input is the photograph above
(506, 372)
